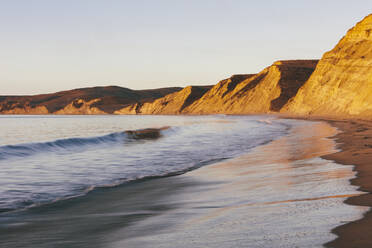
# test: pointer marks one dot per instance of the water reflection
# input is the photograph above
(279, 195)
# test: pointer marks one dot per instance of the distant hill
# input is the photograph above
(95, 100)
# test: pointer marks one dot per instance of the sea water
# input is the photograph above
(47, 158)
(83, 181)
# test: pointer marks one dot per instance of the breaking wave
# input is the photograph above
(28, 149)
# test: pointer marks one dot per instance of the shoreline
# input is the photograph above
(355, 144)
(232, 190)
(234, 203)
(218, 184)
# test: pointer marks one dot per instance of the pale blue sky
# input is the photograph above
(50, 45)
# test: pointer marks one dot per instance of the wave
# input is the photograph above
(108, 165)
(28, 149)
(147, 133)
(28, 204)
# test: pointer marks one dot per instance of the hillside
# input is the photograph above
(95, 100)
(173, 103)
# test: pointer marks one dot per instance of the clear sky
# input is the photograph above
(51, 45)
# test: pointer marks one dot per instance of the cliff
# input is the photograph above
(95, 100)
(264, 92)
(173, 103)
(267, 91)
(217, 95)
(341, 85)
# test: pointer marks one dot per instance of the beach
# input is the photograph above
(355, 142)
(222, 214)
(278, 194)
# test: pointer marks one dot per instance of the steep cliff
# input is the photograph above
(217, 95)
(267, 91)
(95, 100)
(341, 85)
(173, 103)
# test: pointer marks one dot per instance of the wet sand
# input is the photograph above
(355, 143)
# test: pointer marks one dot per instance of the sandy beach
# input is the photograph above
(355, 142)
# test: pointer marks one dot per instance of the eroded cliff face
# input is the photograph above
(217, 95)
(173, 103)
(341, 85)
(265, 92)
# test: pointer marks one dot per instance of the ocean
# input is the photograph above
(85, 181)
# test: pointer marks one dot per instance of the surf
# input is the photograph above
(44, 172)
(29, 149)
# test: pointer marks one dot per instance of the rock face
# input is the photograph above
(267, 91)
(341, 85)
(96, 100)
(173, 103)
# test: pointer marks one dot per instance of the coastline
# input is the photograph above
(355, 144)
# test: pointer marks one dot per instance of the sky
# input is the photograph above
(52, 45)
